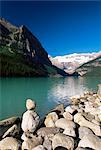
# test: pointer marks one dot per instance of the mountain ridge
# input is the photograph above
(70, 63)
(21, 53)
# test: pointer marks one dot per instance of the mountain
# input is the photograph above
(21, 53)
(90, 68)
(74, 62)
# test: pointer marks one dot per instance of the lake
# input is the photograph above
(47, 92)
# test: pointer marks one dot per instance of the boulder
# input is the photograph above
(98, 101)
(96, 122)
(92, 108)
(39, 147)
(9, 121)
(67, 116)
(24, 137)
(64, 124)
(70, 109)
(47, 143)
(86, 93)
(99, 116)
(70, 131)
(27, 135)
(91, 98)
(84, 131)
(9, 143)
(3, 129)
(30, 121)
(50, 120)
(80, 110)
(31, 143)
(30, 104)
(79, 119)
(63, 141)
(88, 116)
(59, 109)
(47, 131)
(75, 101)
(90, 141)
(12, 131)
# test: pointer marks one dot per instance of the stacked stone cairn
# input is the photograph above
(76, 127)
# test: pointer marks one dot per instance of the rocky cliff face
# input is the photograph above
(31, 46)
(22, 54)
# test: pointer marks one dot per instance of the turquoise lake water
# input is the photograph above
(47, 92)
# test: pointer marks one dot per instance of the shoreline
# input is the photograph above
(75, 127)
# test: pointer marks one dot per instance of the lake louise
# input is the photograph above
(50, 75)
(47, 92)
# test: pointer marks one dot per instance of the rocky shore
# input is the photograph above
(76, 127)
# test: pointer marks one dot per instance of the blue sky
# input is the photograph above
(63, 27)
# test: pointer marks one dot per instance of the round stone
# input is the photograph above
(30, 104)
(9, 143)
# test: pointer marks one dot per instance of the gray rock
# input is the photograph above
(63, 141)
(24, 137)
(9, 121)
(78, 118)
(27, 136)
(47, 131)
(9, 143)
(31, 143)
(84, 131)
(59, 109)
(96, 122)
(14, 130)
(92, 108)
(69, 131)
(63, 123)
(67, 116)
(30, 104)
(98, 101)
(69, 109)
(30, 121)
(50, 120)
(39, 147)
(99, 117)
(47, 143)
(91, 141)
(3, 129)
(88, 116)
(75, 101)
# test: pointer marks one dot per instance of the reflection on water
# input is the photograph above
(66, 88)
(47, 92)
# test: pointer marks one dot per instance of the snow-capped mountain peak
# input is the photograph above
(70, 62)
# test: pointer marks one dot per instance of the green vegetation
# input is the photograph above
(51, 70)
(91, 68)
(14, 64)
(21, 53)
